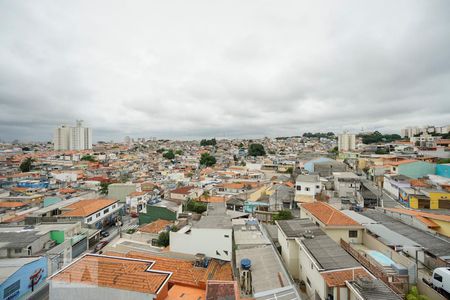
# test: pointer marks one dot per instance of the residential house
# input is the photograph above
(93, 213)
(137, 201)
(212, 235)
(332, 221)
(346, 184)
(307, 187)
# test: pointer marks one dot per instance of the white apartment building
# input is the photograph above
(73, 138)
(346, 142)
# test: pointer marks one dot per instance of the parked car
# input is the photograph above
(104, 233)
(441, 280)
(100, 245)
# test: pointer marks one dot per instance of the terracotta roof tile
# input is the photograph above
(11, 204)
(114, 272)
(182, 190)
(177, 292)
(338, 278)
(156, 226)
(328, 215)
(184, 272)
(84, 208)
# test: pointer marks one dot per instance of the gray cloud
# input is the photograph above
(221, 68)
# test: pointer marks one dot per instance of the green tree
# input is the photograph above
(211, 142)
(169, 154)
(196, 206)
(289, 170)
(104, 188)
(179, 152)
(26, 165)
(88, 158)
(381, 151)
(164, 239)
(256, 150)
(283, 215)
(207, 160)
(443, 161)
(413, 294)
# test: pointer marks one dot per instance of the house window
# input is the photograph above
(226, 235)
(353, 233)
(217, 252)
(226, 252)
(317, 187)
(106, 211)
(89, 219)
(307, 189)
(299, 187)
(312, 266)
(17, 250)
(307, 280)
(97, 215)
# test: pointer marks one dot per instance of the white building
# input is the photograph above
(346, 184)
(212, 235)
(307, 187)
(73, 138)
(346, 142)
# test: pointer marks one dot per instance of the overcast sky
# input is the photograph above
(191, 69)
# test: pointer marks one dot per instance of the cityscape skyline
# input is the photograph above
(264, 70)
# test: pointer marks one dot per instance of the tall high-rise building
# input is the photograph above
(73, 138)
(346, 142)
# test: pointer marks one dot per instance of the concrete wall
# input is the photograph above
(208, 241)
(120, 191)
(374, 244)
(308, 188)
(416, 169)
(342, 233)
(289, 253)
(443, 170)
(309, 271)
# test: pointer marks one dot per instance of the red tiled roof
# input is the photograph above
(328, 215)
(155, 226)
(338, 278)
(182, 190)
(84, 208)
(184, 272)
(113, 272)
(11, 204)
(134, 194)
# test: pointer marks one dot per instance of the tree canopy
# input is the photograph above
(207, 160)
(318, 135)
(169, 154)
(211, 142)
(196, 206)
(88, 158)
(377, 137)
(283, 215)
(256, 150)
(26, 165)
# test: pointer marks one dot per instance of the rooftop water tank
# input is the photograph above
(246, 263)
